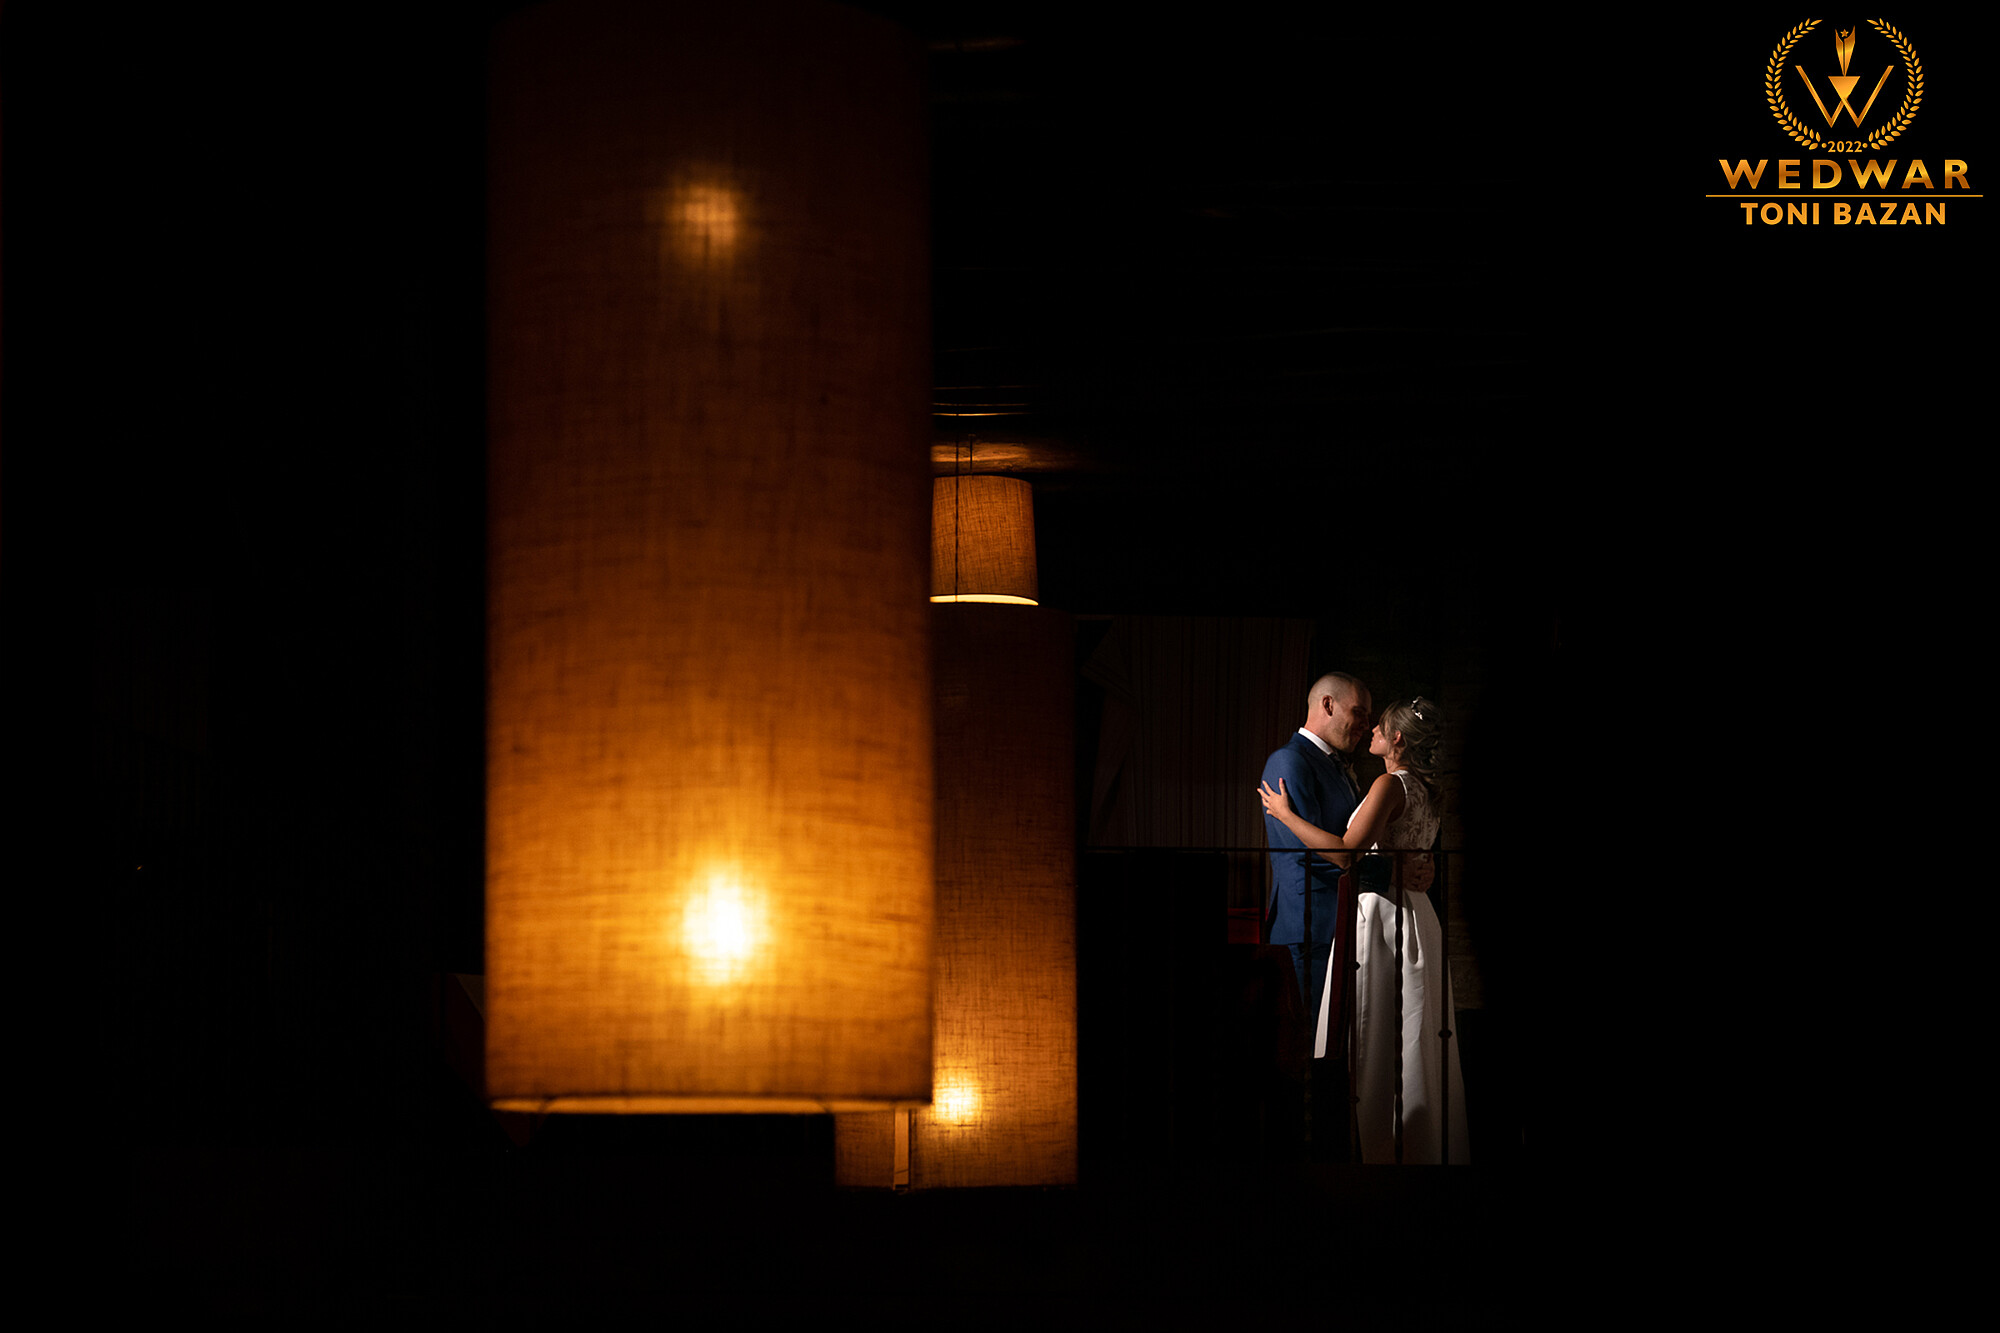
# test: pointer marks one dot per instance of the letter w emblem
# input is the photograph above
(1843, 84)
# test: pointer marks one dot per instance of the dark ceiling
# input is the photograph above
(1194, 277)
(1385, 275)
(1218, 282)
(1160, 245)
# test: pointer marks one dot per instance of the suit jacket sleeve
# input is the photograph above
(1303, 789)
(1309, 798)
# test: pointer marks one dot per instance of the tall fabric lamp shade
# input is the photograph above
(983, 541)
(1005, 1109)
(709, 842)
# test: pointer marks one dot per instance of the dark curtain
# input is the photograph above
(1192, 707)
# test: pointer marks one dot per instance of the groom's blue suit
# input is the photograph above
(1322, 795)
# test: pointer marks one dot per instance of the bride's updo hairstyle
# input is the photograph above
(1422, 723)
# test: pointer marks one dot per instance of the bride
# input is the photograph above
(1399, 813)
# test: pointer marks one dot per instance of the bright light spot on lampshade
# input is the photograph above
(722, 928)
(703, 220)
(955, 1100)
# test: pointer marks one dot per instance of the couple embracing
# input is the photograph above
(1311, 801)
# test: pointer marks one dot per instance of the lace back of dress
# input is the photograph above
(1416, 828)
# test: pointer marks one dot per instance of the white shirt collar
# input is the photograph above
(1324, 748)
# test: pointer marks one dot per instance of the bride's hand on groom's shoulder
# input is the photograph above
(1275, 802)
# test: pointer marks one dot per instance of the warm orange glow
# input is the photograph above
(709, 845)
(955, 1100)
(703, 220)
(983, 541)
(1004, 1104)
(1004, 456)
(722, 927)
(709, 211)
(988, 597)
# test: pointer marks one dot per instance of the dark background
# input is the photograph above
(1435, 298)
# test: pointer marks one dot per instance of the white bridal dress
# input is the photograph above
(1425, 983)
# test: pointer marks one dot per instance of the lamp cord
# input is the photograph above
(958, 517)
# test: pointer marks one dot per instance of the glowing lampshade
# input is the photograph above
(983, 540)
(709, 837)
(1004, 1110)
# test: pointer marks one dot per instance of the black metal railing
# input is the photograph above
(1388, 875)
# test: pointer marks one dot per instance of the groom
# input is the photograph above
(1313, 767)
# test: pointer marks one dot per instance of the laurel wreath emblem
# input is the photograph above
(1774, 72)
(1774, 93)
(1913, 89)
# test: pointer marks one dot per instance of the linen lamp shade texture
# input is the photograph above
(709, 843)
(1005, 1104)
(983, 540)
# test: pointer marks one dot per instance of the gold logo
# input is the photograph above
(1899, 56)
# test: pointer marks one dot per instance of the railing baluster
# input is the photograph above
(1343, 961)
(1396, 1124)
(1307, 999)
(1448, 1017)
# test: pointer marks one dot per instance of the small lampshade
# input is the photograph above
(709, 837)
(983, 540)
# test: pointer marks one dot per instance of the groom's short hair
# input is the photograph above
(1334, 682)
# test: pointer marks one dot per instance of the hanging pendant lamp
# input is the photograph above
(709, 843)
(983, 540)
(1005, 1110)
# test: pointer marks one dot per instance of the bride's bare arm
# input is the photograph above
(1377, 811)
